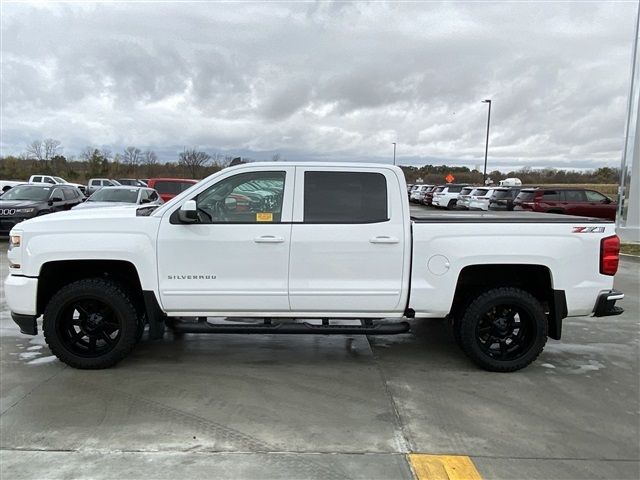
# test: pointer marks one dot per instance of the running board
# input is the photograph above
(293, 328)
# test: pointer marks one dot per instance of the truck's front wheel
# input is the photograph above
(91, 323)
(503, 329)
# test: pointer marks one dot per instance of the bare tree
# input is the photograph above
(44, 150)
(276, 157)
(193, 160)
(149, 160)
(132, 156)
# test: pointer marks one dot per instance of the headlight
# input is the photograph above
(25, 210)
(14, 241)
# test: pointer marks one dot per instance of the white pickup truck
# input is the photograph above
(297, 246)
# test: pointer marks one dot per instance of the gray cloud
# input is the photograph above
(335, 81)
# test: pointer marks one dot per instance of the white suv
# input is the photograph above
(448, 196)
(50, 179)
(417, 193)
(480, 198)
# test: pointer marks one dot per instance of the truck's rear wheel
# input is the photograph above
(91, 323)
(503, 329)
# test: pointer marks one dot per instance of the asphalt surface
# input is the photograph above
(266, 406)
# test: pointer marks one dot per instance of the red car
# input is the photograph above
(570, 201)
(170, 187)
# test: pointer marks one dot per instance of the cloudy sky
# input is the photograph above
(318, 80)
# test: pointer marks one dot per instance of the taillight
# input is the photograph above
(609, 255)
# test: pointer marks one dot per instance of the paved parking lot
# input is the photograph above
(325, 407)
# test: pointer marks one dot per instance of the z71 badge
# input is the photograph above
(588, 230)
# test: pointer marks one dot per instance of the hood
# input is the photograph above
(88, 204)
(20, 203)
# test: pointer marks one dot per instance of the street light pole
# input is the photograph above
(486, 146)
(394, 152)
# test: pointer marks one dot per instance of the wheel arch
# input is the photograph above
(56, 274)
(535, 279)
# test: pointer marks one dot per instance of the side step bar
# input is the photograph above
(293, 328)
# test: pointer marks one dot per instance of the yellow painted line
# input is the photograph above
(443, 467)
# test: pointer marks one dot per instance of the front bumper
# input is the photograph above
(7, 223)
(606, 304)
(21, 294)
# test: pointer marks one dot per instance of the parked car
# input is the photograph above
(428, 195)
(447, 197)
(569, 201)
(510, 182)
(503, 197)
(117, 196)
(27, 200)
(464, 197)
(418, 193)
(95, 184)
(339, 242)
(52, 180)
(131, 182)
(480, 197)
(170, 187)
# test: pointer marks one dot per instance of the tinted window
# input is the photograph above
(37, 179)
(480, 192)
(526, 196)
(253, 197)
(57, 193)
(95, 183)
(153, 196)
(438, 189)
(345, 197)
(594, 196)
(170, 187)
(550, 195)
(456, 189)
(466, 191)
(504, 193)
(574, 196)
(49, 180)
(69, 194)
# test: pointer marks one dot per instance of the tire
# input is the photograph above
(91, 323)
(452, 204)
(508, 318)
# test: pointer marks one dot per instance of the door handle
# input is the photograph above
(384, 239)
(268, 239)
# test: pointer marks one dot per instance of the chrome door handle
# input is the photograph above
(268, 239)
(384, 239)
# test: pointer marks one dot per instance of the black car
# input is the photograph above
(502, 198)
(30, 200)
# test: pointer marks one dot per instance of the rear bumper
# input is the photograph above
(606, 304)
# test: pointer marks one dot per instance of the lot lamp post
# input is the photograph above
(394, 152)
(486, 145)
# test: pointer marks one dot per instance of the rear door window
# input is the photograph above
(574, 196)
(550, 196)
(37, 179)
(345, 197)
(455, 189)
(526, 196)
(69, 194)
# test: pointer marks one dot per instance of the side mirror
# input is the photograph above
(54, 200)
(188, 212)
(607, 200)
(145, 200)
(230, 204)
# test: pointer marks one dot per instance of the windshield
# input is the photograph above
(124, 195)
(27, 192)
(60, 180)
